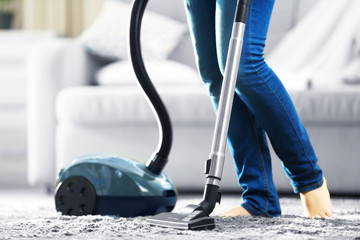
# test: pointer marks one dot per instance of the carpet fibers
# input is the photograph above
(28, 214)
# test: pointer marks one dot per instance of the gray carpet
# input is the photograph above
(28, 214)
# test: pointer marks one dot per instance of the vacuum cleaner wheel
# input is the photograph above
(75, 196)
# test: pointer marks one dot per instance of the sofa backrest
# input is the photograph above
(169, 8)
(175, 8)
(286, 14)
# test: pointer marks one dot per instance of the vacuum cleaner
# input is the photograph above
(111, 185)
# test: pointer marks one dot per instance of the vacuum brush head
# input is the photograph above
(192, 217)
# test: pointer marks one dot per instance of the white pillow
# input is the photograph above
(160, 72)
(108, 36)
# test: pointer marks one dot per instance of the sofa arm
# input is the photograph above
(52, 65)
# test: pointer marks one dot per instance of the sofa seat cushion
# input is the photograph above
(341, 105)
(190, 104)
(166, 72)
(121, 105)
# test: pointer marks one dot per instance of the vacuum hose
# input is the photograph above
(159, 159)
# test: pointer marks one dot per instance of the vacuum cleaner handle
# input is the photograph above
(214, 166)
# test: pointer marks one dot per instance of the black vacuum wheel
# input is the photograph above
(75, 196)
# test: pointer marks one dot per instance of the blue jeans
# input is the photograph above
(261, 104)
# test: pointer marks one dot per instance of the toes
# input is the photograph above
(329, 213)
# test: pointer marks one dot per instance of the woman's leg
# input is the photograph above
(266, 98)
(252, 158)
(246, 139)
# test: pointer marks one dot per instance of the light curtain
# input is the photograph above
(65, 17)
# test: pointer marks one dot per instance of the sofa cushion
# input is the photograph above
(108, 35)
(341, 105)
(127, 106)
(161, 72)
(191, 105)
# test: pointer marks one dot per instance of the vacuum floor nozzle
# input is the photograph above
(192, 217)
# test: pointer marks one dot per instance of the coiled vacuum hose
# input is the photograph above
(160, 157)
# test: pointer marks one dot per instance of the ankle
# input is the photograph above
(317, 202)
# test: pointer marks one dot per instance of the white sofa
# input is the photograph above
(79, 104)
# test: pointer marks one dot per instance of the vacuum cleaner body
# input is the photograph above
(110, 185)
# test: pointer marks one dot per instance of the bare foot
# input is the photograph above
(317, 202)
(236, 212)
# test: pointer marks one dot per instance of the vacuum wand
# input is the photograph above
(214, 166)
(217, 155)
(196, 217)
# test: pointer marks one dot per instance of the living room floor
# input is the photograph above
(30, 214)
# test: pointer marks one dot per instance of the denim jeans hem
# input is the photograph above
(309, 187)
